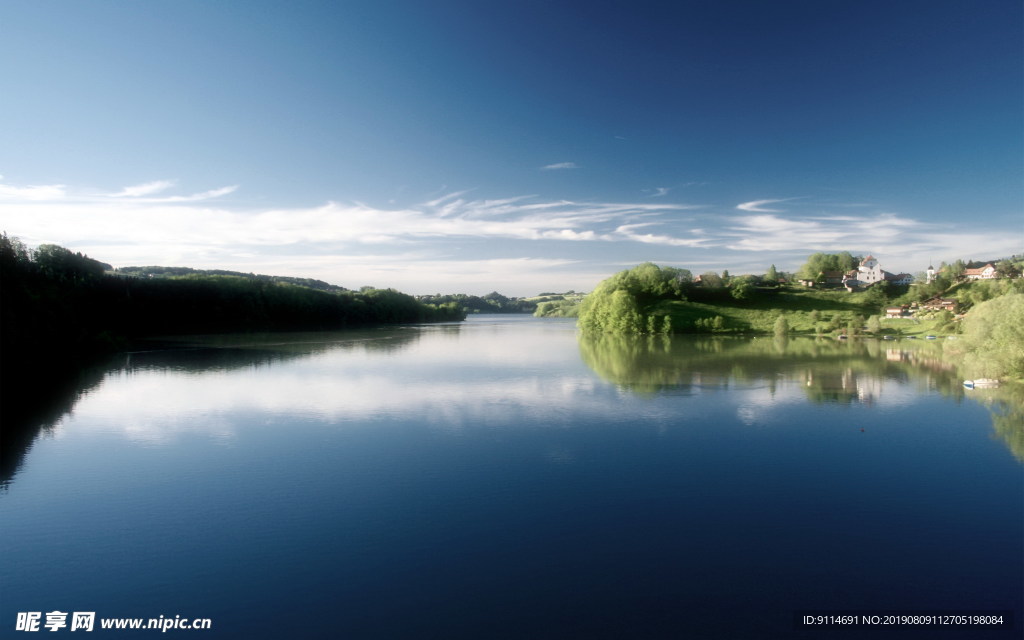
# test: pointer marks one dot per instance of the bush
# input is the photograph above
(993, 343)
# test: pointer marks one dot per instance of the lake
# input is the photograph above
(506, 478)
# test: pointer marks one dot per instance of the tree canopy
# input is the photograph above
(619, 303)
(992, 340)
(821, 262)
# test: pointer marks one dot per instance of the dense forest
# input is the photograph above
(57, 302)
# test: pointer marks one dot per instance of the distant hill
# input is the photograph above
(175, 272)
(493, 302)
(557, 305)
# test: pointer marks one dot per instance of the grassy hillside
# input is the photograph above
(806, 310)
(652, 299)
(557, 305)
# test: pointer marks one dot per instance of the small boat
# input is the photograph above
(929, 337)
(888, 337)
(981, 383)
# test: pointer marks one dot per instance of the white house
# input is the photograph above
(899, 278)
(868, 273)
(985, 272)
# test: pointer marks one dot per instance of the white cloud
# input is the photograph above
(146, 189)
(454, 242)
(451, 196)
(628, 232)
(134, 229)
(820, 233)
(59, 192)
(561, 165)
(41, 192)
(901, 244)
(758, 205)
(197, 197)
(158, 409)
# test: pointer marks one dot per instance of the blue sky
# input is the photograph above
(514, 146)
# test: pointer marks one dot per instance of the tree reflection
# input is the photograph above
(227, 352)
(828, 371)
(1006, 404)
(646, 364)
(33, 403)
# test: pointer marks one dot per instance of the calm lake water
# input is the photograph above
(504, 478)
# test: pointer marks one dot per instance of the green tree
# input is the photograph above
(741, 289)
(772, 276)
(63, 264)
(13, 251)
(781, 326)
(877, 295)
(852, 328)
(954, 271)
(875, 325)
(992, 340)
(620, 302)
(1006, 269)
(623, 316)
(820, 262)
(711, 280)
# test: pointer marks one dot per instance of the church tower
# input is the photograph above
(930, 274)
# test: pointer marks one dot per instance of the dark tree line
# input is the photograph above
(57, 303)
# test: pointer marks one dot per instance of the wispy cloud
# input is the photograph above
(198, 197)
(758, 205)
(41, 192)
(560, 165)
(145, 189)
(900, 243)
(189, 221)
(628, 232)
(455, 235)
(817, 233)
(136, 193)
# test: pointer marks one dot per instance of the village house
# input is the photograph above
(897, 312)
(939, 304)
(833, 278)
(868, 273)
(985, 272)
